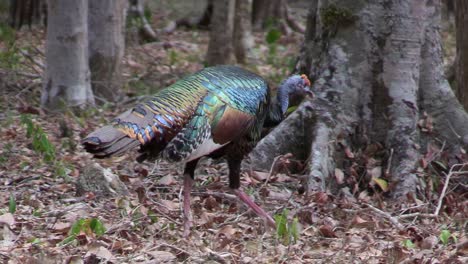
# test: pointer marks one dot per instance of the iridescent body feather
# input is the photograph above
(213, 107)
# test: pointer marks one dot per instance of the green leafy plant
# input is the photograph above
(12, 204)
(88, 226)
(407, 243)
(445, 236)
(42, 145)
(9, 56)
(272, 37)
(333, 16)
(7, 147)
(40, 142)
(286, 232)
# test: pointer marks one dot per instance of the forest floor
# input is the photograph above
(42, 220)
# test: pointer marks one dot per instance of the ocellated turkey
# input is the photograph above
(218, 111)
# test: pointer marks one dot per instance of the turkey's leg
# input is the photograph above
(234, 183)
(257, 209)
(188, 182)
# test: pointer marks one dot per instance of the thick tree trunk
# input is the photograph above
(461, 67)
(106, 46)
(67, 77)
(378, 70)
(220, 48)
(243, 38)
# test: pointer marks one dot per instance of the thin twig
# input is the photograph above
(216, 194)
(437, 154)
(416, 215)
(392, 219)
(442, 194)
(444, 190)
(31, 59)
(169, 246)
(389, 164)
(453, 130)
(275, 160)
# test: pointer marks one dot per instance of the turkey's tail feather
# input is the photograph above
(108, 141)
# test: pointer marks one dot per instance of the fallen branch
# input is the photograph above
(392, 219)
(444, 190)
(442, 194)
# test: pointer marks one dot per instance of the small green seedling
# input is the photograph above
(12, 204)
(445, 236)
(286, 232)
(88, 226)
(407, 243)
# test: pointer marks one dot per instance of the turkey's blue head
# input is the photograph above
(294, 86)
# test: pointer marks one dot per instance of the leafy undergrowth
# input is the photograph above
(43, 221)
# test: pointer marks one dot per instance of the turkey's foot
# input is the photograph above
(257, 209)
(188, 219)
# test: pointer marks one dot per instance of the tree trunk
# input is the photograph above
(220, 48)
(461, 67)
(268, 13)
(378, 70)
(27, 12)
(140, 30)
(106, 46)
(67, 78)
(243, 38)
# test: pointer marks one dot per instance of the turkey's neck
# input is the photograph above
(278, 107)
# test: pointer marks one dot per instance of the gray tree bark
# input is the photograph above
(274, 13)
(243, 38)
(220, 47)
(140, 30)
(67, 77)
(378, 70)
(461, 67)
(106, 46)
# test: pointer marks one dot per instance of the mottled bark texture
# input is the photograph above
(378, 68)
(220, 47)
(267, 13)
(139, 29)
(106, 46)
(243, 38)
(461, 63)
(67, 77)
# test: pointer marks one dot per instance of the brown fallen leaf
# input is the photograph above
(327, 231)
(349, 154)
(211, 203)
(170, 205)
(99, 251)
(429, 242)
(260, 175)
(61, 227)
(162, 256)
(284, 195)
(228, 231)
(167, 180)
(321, 197)
(7, 219)
(281, 177)
(339, 176)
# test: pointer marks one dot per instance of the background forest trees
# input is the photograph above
(384, 126)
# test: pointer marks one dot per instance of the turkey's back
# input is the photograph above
(193, 117)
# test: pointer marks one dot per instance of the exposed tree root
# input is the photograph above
(385, 91)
